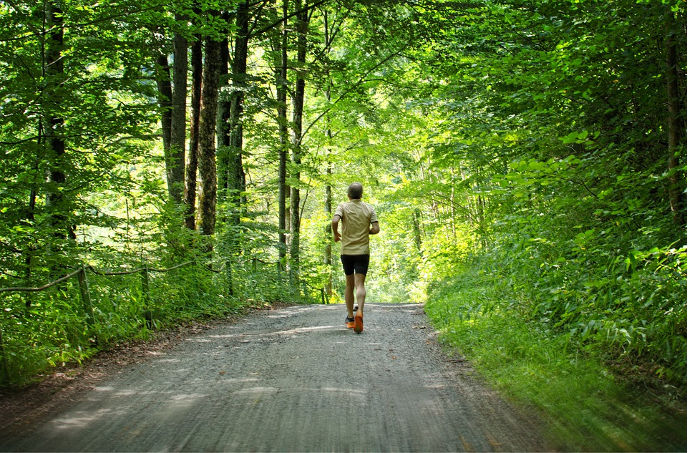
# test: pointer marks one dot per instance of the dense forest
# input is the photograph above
(183, 159)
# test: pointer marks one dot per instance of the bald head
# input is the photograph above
(355, 191)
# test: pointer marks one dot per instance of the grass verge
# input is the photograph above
(585, 406)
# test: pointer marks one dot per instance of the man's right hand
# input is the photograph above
(335, 228)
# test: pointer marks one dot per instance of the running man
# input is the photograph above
(358, 222)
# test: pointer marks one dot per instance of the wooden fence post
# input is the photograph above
(86, 296)
(5, 376)
(147, 313)
(228, 277)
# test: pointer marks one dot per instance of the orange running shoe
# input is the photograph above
(349, 322)
(358, 323)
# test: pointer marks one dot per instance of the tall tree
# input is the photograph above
(329, 38)
(236, 178)
(674, 130)
(54, 136)
(206, 134)
(172, 92)
(164, 82)
(302, 17)
(283, 147)
(224, 107)
(176, 155)
(194, 149)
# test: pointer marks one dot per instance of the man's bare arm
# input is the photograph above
(374, 228)
(335, 228)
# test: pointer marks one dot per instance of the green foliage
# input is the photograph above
(55, 330)
(517, 154)
(552, 152)
(585, 405)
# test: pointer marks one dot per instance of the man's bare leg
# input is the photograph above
(359, 282)
(349, 295)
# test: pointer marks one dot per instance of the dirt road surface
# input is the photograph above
(293, 379)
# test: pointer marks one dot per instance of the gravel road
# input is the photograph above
(293, 379)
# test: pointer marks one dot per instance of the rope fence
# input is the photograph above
(321, 290)
(85, 296)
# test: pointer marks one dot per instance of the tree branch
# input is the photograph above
(360, 82)
(282, 19)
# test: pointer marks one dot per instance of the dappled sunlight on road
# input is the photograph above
(81, 419)
(295, 379)
(249, 336)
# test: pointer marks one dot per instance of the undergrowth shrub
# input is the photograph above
(584, 405)
(54, 328)
(630, 309)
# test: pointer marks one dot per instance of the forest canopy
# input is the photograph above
(536, 146)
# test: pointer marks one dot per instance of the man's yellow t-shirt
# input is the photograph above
(356, 219)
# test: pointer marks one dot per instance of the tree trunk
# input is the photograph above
(482, 231)
(328, 228)
(196, 83)
(281, 86)
(417, 238)
(177, 160)
(673, 119)
(162, 77)
(30, 249)
(236, 178)
(54, 135)
(223, 126)
(328, 187)
(206, 161)
(297, 124)
(452, 206)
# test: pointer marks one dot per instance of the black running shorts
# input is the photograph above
(355, 263)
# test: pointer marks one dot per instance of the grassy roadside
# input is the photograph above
(55, 387)
(585, 405)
